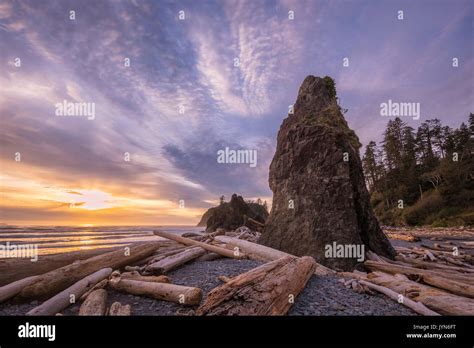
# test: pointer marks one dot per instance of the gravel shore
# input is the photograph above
(321, 296)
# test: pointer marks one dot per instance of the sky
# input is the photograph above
(202, 76)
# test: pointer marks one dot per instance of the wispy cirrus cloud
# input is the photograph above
(245, 57)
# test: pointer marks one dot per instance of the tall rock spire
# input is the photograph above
(320, 201)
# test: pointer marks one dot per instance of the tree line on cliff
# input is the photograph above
(422, 177)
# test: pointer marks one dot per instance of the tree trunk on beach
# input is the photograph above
(208, 247)
(184, 295)
(15, 269)
(95, 303)
(100, 285)
(418, 307)
(117, 309)
(57, 303)
(266, 290)
(48, 284)
(438, 300)
(171, 262)
(10, 290)
(407, 270)
(137, 276)
(263, 253)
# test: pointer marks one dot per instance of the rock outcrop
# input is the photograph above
(233, 214)
(206, 216)
(320, 200)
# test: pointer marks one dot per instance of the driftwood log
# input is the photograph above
(263, 253)
(407, 270)
(223, 278)
(159, 256)
(418, 307)
(252, 223)
(137, 276)
(161, 291)
(57, 303)
(252, 250)
(10, 290)
(430, 255)
(48, 284)
(117, 309)
(95, 303)
(208, 247)
(436, 299)
(13, 269)
(269, 289)
(432, 265)
(171, 262)
(133, 268)
(209, 257)
(100, 285)
(452, 286)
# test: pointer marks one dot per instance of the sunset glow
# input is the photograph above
(91, 199)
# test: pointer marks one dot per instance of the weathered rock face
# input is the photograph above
(233, 214)
(319, 192)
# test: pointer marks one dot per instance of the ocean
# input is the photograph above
(62, 239)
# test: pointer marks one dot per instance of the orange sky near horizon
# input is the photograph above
(30, 196)
(32, 200)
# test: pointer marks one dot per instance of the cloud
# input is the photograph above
(199, 163)
(245, 59)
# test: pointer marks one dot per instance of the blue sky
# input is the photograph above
(189, 64)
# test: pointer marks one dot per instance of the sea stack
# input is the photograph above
(233, 214)
(320, 200)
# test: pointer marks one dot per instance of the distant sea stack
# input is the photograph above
(320, 199)
(233, 214)
(205, 217)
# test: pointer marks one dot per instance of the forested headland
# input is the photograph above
(423, 176)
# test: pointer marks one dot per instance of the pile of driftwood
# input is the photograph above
(242, 232)
(435, 279)
(413, 234)
(430, 279)
(141, 269)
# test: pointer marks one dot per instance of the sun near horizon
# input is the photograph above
(89, 207)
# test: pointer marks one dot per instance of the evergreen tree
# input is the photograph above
(369, 164)
(437, 137)
(409, 171)
(449, 144)
(471, 124)
(435, 164)
(424, 142)
(409, 147)
(392, 143)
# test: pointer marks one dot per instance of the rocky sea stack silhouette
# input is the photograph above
(319, 194)
(233, 214)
